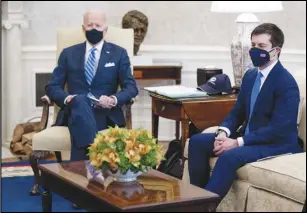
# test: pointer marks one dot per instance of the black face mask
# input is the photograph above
(259, 56)
(94, 36)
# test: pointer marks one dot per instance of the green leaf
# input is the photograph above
(120, 146)
(105, 165)
(149, 159)
(103, 146)
(124, 164)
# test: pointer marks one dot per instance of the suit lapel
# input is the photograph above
(105, 57)
(267, 86)
(81, 58)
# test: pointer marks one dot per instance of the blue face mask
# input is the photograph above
(259, 57)
(94, 36)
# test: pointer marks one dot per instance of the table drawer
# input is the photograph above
(168, 110)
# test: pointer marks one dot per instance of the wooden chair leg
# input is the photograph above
(128, 116)
(33, 159)
(33, 162)
(58, 156)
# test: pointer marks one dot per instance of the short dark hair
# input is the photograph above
(277, 36)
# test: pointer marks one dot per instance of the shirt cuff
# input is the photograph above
(114, 99)
(65, 100)
(67, 97)
(240, 141)
(226, 130)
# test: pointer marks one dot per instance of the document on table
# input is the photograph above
(177, 91)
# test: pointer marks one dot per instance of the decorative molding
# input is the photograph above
(13, 10)
(162, 52)
(182, 48)
(15, 7)
(13, 15)
(39, 53)
(8, 24)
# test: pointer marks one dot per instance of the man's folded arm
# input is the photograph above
(128, 86)
(55, 87)
(115, 100)
(237, 115)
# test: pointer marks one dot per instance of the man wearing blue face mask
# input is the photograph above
(92, 70)
(267, 107)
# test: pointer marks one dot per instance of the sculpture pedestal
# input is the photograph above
(140, 60)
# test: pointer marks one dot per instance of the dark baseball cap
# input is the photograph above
(217, 84)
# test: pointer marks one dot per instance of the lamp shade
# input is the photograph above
(245, 6)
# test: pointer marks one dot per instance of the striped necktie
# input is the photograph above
(90, 66)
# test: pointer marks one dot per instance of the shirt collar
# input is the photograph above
(266, 71)
(97, 46)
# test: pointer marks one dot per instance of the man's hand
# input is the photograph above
(220, 139)
(106, 102)
(69, 98)
(227, 144)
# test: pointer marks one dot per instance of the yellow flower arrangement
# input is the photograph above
(119, 148)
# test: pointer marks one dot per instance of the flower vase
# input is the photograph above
(129, 176)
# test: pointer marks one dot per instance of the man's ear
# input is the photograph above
(277, 51)
(83, 28)
(105, 31)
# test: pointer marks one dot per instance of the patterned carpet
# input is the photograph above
(19, 168)
(16, 171)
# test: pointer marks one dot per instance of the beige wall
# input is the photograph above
(171, 23)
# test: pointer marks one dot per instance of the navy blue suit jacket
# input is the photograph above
(274, 119)
(70, 70)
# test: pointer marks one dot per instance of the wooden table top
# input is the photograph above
(225, 97)
(154, 67)
(150, 190)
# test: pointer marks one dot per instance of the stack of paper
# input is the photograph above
(177, 91)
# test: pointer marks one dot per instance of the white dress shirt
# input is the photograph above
(98, 46)
(265, 72)
(97, 53)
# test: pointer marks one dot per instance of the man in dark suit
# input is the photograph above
(92, 70)
(268, 103)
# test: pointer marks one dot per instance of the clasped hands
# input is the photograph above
(104, 101)
(222, 143)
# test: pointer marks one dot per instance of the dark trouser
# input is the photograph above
(224, 173)
(77, 154)
(83, 125)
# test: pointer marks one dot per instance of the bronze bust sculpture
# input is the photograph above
(139, 22)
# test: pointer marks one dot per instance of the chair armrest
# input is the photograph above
(46, 100)
(212, 129)
(131, 101)
(45, 114)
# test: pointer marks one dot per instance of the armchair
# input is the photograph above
(277, 184)
(57, 138)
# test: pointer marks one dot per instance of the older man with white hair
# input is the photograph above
(93, 70)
